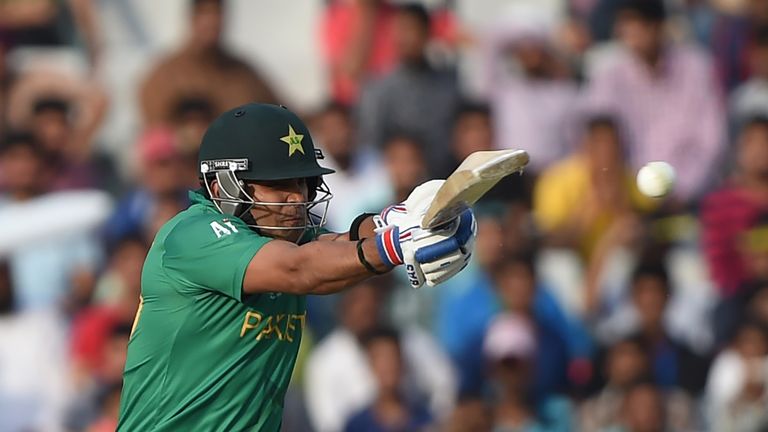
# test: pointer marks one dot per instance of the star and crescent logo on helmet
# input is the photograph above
(294, 141)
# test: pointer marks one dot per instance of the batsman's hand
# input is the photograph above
(443, 252)
(429, 256)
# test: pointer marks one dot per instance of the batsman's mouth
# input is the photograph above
(293, 220)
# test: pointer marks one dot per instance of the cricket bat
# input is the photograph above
(476, 175)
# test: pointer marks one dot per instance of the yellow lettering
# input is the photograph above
(271, 326)
(267, 330)
(276, 326)
(288, 327)
(302, 318)
(248, 324)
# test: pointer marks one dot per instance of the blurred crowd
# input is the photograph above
(588, 306)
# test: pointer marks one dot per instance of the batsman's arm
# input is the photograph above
(362, 227)
(321, 267)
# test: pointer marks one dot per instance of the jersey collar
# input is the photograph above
(198, 197)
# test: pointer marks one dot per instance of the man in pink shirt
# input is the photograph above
(666, 94)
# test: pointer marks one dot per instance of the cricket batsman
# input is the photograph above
(223, 287)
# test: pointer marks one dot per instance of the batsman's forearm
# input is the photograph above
(333, 266)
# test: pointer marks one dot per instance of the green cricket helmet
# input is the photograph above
(261, 142)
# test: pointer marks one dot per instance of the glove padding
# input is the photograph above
(442, 253)
(407, 216)
(430, 256)
(409, 213)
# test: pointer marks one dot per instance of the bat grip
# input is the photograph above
(456, 241)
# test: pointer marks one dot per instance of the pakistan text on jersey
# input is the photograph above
(281, 326)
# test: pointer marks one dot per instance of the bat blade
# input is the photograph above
(476, 175)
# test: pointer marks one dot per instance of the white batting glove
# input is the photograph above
(406, 218)
(396, 226)
(441, 254)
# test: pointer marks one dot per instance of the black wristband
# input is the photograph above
(361, 257)
(354, 229)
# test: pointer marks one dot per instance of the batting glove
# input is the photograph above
(443, 251)
(441, 254)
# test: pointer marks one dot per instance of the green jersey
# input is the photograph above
(202, 355)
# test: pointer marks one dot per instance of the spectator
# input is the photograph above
(406, 165)
(730, 311)
(203, 67)
(359, 42)
(33, 385)
(339, 381)
(357, 39)
(65, 113)
(162, 190)
(333, 129)
(531, 95)
(62, 245)
(472, 132)
(510, 349)
(416, 98)
(96, 406)
(390, 410)
(24, 171)
(728, 211)
(673, 365)
(578, 201)
(626, 363)
(751, 97)
(643, 409)
(114, 303)
(655, 87)
(732, 34)
(564, 347)
(590, 203)
(191, 117)
(737, 389)
(74, 169)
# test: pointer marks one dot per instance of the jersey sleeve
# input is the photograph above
(211, 255)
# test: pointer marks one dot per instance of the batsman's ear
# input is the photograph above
(214, 189)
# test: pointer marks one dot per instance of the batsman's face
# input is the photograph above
(291, 191)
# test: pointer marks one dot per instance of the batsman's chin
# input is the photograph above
(289, 232)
